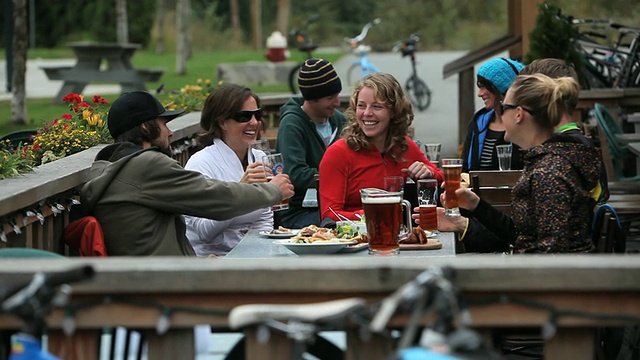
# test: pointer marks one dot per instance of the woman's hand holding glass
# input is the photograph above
(467, 199)
(445, 223)
(418, 170)
(254, 173)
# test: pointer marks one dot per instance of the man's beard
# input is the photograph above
(165, 148)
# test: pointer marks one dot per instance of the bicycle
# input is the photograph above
(305, 44)
(416, 89)
(363, 66)
(431, 292)
(32, 302)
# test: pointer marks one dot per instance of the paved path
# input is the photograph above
(437, 124)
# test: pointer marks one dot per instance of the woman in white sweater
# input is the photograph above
(231, 121)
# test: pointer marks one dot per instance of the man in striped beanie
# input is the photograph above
(308, 125)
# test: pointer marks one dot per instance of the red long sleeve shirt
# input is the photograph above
(343, 172)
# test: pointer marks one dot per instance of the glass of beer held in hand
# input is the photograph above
(274, 165)
(427, 190)
(452, 169)
(383, 213)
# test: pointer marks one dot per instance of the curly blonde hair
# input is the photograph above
(389, 91)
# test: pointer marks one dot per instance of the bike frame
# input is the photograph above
(366, 66)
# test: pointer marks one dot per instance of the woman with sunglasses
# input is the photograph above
(551, 208)
(231, 121)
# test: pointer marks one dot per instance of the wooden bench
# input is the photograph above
(494, 186)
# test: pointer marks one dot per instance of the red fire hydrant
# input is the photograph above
(276, 47)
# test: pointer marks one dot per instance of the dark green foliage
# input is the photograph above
(553, 37)
(101, 18)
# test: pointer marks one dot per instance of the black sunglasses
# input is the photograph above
(505, 106)
(246, 115)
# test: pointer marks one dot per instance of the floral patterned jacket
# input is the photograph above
(551, 212)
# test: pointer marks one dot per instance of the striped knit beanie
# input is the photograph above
(317, 79)
(500, 72)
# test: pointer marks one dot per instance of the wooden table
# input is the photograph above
(88, 68)
(254, 245)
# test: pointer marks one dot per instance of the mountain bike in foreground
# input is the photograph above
(32, 303)
(430, 295)
(416, 89)
(363, 66)
(305, 44)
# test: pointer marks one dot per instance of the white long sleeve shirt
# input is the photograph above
(218, 161)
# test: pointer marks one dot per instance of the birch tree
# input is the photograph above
(256, 24)
(122, 25)
(19, 44)
(183, 12)
(236, 32)
(160, 7)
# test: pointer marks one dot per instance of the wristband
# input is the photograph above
(466, 227)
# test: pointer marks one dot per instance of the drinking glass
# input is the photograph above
(427, 202)
(394, 183)
(383, 214)
(452, 169)
(261, 144)
(274, 165)
(433, 152)
(504, 156)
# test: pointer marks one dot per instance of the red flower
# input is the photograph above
(66, 117)
(55, 121)
(36, 147)
(97, 99)
(72, 98)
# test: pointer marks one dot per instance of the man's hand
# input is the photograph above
(254, 173)
(284, 184)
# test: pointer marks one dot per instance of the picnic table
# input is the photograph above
(89, 68)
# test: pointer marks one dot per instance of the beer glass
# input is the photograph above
(427, 203)
(452, 169)
(262, 144)
(433, 152)
(274, 165)
(504, 156)
(394, 183)
(383, 214)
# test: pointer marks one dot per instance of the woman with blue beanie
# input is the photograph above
(486, 130)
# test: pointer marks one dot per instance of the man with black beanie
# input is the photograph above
(308, 125)
(138, 193)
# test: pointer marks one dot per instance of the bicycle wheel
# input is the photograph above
(293, 79)
(321, 348)
(353, 75)
(418, 92)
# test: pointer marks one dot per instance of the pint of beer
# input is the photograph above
(452, 169)
(274, 165)
(427, 190)
(383, 213)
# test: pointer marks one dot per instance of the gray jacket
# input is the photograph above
(138, 196)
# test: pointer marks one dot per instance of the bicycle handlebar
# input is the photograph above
(43, 283)
(420, 287)
(363, 34)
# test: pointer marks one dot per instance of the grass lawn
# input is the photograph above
(202, 65)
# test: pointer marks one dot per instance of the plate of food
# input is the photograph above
(314, 240)
(279, 233)
(355, 247)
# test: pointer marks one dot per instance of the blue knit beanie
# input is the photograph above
(317, 79)
(500, 72)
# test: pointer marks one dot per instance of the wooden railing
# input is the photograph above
(573, 294)
(35, 207)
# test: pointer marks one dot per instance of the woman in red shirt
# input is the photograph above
(374, 145)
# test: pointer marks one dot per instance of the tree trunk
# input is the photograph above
(122, 26)
(160, 7)
(282, 18)
(236, 36)
(256, 24)
(20, 44)
(183, 12)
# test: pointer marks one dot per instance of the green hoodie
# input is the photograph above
(302, 149)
